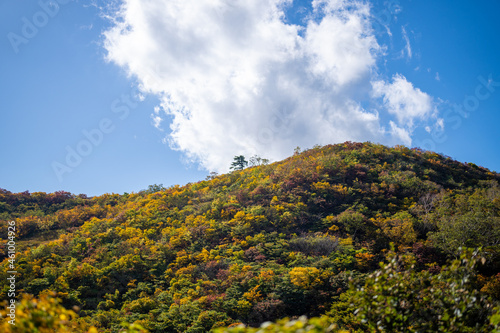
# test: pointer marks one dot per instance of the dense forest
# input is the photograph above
(354, 237)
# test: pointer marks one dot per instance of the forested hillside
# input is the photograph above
(299, 237)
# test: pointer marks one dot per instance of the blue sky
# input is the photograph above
(168, 101)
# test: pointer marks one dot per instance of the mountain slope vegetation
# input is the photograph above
(299, 237)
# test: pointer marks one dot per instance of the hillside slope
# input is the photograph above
(255, 245)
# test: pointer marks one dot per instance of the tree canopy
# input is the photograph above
(239, 163)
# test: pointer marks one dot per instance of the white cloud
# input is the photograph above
(338, 48)
(440, 124)
(407, 48)
(236, 79)
(157, 120)
(400, 134)
(403, 100)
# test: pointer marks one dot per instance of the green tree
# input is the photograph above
(239, 163)
(154, 188)
(468, 221)
(397, 298)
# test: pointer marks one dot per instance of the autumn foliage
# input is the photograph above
(299, 237)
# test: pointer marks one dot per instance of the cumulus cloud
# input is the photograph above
(403, 100)
(235, 78)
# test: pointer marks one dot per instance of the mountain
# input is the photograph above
(302, 236)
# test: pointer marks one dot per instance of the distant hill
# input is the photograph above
(264, 243)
